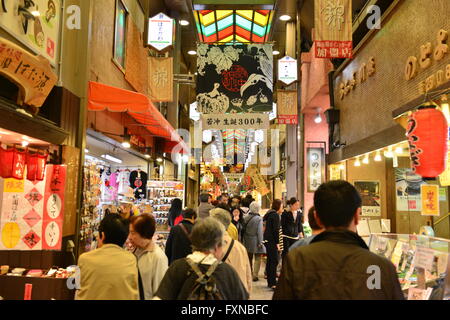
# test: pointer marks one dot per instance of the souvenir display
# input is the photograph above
(161, 194)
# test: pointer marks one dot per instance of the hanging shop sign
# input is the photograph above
(430, 200)
(370, 196)
(287, 107)
(33, 75)
(237, 78)
(35, 24)
(427, 136)
(31, 218)
(255, 121)
(258, 180)
(160, 79)
(407, 186)
(233, 176)
(161, 31)
(287, 70)
(315, 158)
(333, 29)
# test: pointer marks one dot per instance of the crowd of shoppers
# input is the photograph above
(217, 250)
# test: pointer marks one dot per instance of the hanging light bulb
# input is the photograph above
(389, 153)
(366, 159)
(378, 156)
(318, 119)
(357, 163)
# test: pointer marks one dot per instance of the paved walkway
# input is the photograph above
(260, 291)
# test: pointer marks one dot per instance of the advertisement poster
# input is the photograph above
(35, 24)
(430, 200)
(370, 195)
(234, 79)
(407, 185)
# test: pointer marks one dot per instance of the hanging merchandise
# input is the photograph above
(428, 134)
(36, 164)
(138, 181)
(124, 181)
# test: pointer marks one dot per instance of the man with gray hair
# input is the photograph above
(234, 253)
(207, 245)
(205, 206)
(253, 237)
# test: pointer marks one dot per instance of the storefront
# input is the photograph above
(389, 78)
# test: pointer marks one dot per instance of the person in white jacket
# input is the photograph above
(152, 261)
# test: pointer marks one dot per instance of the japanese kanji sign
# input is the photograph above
(160, 31)
(430, 200)
(32, 74)
(333, 29)
(287, 107)
(236, 121)
(160, 79)
(287, 70)
(316, 168)
(32, 215)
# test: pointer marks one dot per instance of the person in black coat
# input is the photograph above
(175, 210)
(291, 224)
(178, 243)
(272, 236)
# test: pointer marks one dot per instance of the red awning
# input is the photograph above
(139, 106)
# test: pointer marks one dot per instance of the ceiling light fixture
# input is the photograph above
(184, 22)
(285, 17)
(399, 150)
(357, 163)
(25, 143)
(276, 52)
(111, 158)
(366, 159)
(192, 52)
(36, 13)
(159, 159)
(318, 119)
(126, 139)
(389, 153)
(378, 156)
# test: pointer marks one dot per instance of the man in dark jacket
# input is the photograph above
(337, 264)
(291, 224)
(178, 243)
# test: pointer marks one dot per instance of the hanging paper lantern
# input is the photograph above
(6, 162)
(427, 136)
(19, 164)
(36, 164)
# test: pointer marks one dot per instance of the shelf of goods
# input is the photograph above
(161, 195)
(422, 263)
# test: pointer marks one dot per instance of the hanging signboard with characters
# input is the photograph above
(35, 24)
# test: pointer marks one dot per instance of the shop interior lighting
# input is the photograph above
(276, 52)
(147, 156)
(285, 17)
(366, 159)
(159, 159)
(111, 158)
(126, 139)
(342, 167)
(378, 156)
(318, 119)
(357, 163)
(399, 150)
(36, 13)
(389, 153)
(25, 143)
(192, 52)
(184, 22)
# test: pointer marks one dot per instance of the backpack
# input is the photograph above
(205, 286)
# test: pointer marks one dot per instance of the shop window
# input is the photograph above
(120, 34)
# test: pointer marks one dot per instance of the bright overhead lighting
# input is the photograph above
(25, 143)
(36, 13)
(341, 167)
(318, 119)
(275, 52)
(126, 145)
(357, 163)
(159, 159)
(399, 150)
(192, 52)
(184, 23)
(366, 159)
(111, 158)
(147, 156)
(285, 17)
(389, 153)
(378, 157)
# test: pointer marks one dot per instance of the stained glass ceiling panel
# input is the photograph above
(233, 26)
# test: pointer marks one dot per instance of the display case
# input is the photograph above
(422, 263)
(160, 195)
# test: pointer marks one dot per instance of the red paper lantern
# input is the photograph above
(6, 162)
(19, 164)
(36, 166)
(427, 136)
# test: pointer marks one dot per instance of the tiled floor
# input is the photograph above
(260, 291)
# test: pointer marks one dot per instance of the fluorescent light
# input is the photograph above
(184, 23)
(318, 119)
(111, 158)
(275, 52)
(192, 52)
(378, 156)
(126, 145)
(285, 17)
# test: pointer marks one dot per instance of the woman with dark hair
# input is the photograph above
(237, 218)
(291, 224)
(274, 243)
(152, 261)
(175, 211)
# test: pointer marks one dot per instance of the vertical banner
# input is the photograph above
(160, 79)
(54, 207)
(287, 107)
(333, 29)
(430, 200)
(234, 78)
(315, 159)
(370, 196)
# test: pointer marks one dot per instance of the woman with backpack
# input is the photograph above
(174, 216)
(252, 233)
(202, 275)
